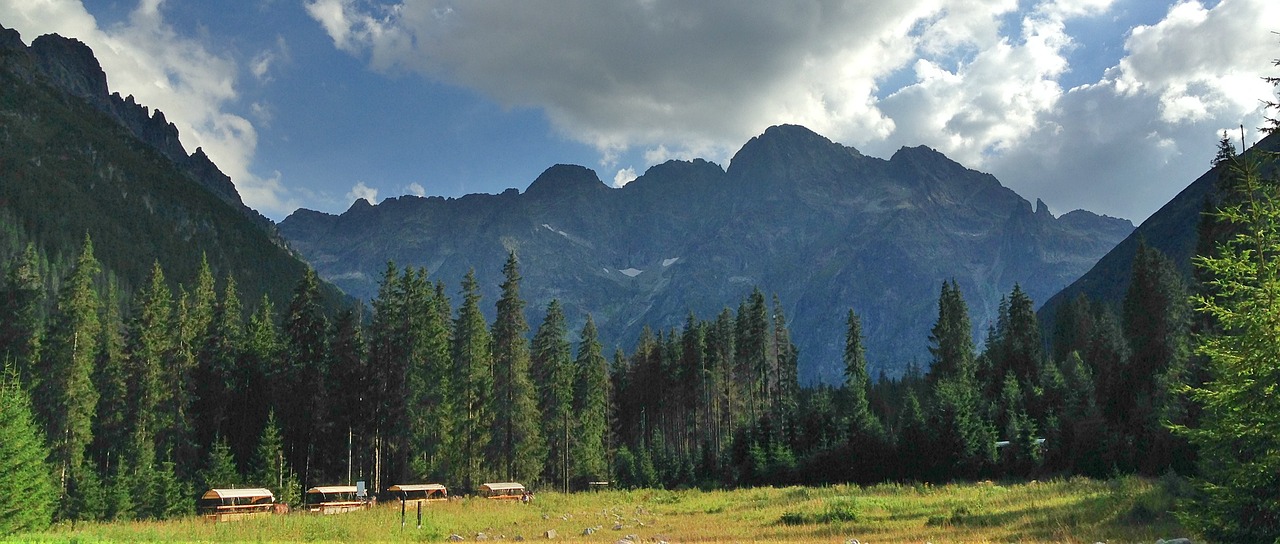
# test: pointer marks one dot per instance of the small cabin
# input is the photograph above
(236, 504)
(502, 490)
(334, 499)
(410, 493)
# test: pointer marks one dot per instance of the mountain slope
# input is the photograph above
(1172, 230)
(820, 224)
(71, 165)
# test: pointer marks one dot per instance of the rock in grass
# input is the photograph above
(589, 531)
(481, 537)
(456, 538)
(551, 533)
(1174, 541)
(617, 526)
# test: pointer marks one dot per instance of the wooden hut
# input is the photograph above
(235, 504)
(503, 490)
(334, 499)
(410, 493)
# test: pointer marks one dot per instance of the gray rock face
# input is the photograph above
(819, 224)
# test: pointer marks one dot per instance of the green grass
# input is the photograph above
(1076, 510)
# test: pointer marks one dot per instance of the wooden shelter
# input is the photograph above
(409, 493)
(503, 490)
(235, 504)
(334, 499)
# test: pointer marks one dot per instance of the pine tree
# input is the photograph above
(1156, 326)
(1239, 499)
(148, 343)
(216, 370)
(390, 355)
(430, 389)
(951, 339)
(517, 447)
(589, 449)
(21, 316)
(555, 375)
(304, 374)
(111, 417)
(220, 470)
(28, 495)
(258, 370)
(868, 445)
(67, 395)
(473, 386)
(1226, 151)
(269, 467)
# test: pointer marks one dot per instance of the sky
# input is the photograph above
(1113, 106)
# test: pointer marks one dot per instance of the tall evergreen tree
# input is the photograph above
(220, 468)
(951, 339)
(1156, 326)
(1239, 498)
(270, 469)
(257, 373)
(148, 343)
(216, 370)
(21, 316)
(66, 394)
(306, 365)
(868, 445)
(348, 383)
(430, 388)
(473, 387)
(28, 498)
(555, 374)
(591, 403)
(110, 378)
(517, 447)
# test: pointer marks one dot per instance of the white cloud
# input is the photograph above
(416, 189)
(681, 79)
(193, 85)
(263, 62)
(360, 190)
(623, 177)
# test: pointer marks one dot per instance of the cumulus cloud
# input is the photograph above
(360, 190)
(623, 177)
(982, 77)
(185, 78)
(416, 189)
(1130, 142)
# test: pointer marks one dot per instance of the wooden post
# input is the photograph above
(419, 514)
(402, 514)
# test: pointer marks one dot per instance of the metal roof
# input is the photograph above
(502, 486)
(417, 487)
(254, 493)
(326, 489)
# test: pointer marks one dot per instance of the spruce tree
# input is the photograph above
(27, 492)
(21, 316)
(270, 469)
(473, 387)
(1239, 499)
(518, 449)
(951, 339)
(258, 370)
(216, 377)
(430, 390)
(66, 394)
(868, 445)
(1156, 326)
(589, 447)
(304, 375)
(555, 374)
(111, 417)
(220, 467)
(148, 343)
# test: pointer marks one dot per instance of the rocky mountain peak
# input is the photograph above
(71, 65)
(564, 180)
(10, 39)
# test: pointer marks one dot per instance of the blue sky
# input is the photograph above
(1108, 105)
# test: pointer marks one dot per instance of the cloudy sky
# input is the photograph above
(1108, 105)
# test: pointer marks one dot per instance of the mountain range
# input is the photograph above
(819, 224)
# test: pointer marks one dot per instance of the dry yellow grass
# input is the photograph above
(1076, 510)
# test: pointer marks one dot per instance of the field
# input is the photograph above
(1076, 510)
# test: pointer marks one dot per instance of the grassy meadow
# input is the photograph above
(1126, 509)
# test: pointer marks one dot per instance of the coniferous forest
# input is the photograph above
(144, 399)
